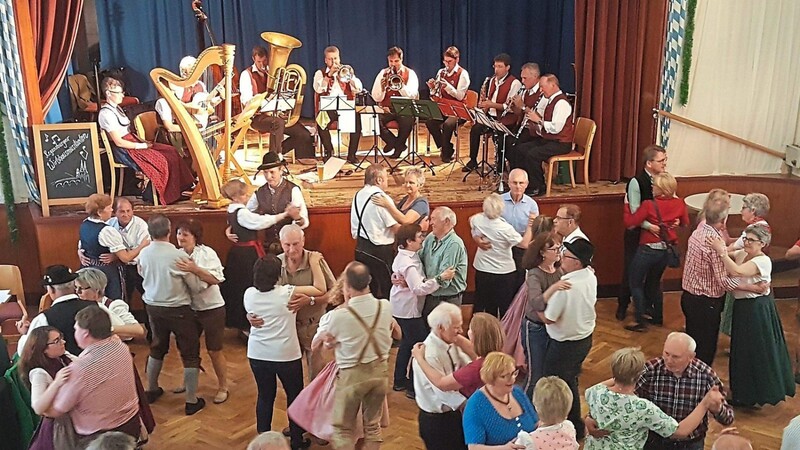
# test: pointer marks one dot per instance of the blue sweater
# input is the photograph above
(483, 425)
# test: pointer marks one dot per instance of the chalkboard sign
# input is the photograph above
(68, 163)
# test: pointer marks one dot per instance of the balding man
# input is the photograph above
(270, 440)
(373, 228)
(551, 129)
(521, 104)
(730, 441)
(443, 249)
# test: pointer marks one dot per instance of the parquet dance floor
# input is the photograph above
(232, 424)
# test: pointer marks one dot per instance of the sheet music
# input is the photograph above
(278, 103)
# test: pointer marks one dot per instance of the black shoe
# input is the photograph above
(353, 160)
(446, 159)
(621, 313)
(398, 388)
(411, 394)
(395, 154)
(637, 327)
(305, 444)
(535, 192)
(286, 432)
(471, 165)
(193, 408)
(152, 396)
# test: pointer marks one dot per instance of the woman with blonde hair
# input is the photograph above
(497, 412)
(97, 239)
(413, 207)
(651, 258)
(485, 336)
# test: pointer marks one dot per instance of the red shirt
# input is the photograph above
(469, 377)
(670, 208)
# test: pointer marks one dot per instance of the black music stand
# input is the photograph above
(485, 168)
(338, 103)
(458, 110)
(373, 110)
(418, 109)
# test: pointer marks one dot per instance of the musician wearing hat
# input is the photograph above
(334, 80)
(397, 80)
(59, 282)
(280, 200)
(570, 318)
(254, 81)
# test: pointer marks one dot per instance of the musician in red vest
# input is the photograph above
(382, 93)
(551, 128)
(253, 81)
(328, 82)
(453, 82)
(520, 104)
(494, 101)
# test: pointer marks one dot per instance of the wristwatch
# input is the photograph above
(313, 301)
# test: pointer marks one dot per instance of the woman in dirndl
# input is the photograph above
(98, 239)
(760, 368)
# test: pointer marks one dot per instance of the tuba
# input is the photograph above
(285, 82)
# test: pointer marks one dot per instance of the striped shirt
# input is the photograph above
(791, 434)
(703, 272)
(679, 396)
(100, 394)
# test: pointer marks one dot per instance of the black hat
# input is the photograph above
(582, 249)
(58, 274)
(270, 160)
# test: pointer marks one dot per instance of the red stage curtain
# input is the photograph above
(55, 26)
(619, 47)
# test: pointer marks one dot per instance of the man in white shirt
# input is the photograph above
(373, 228)
(570, 317)
(382, 93)
(254, 81)
(439, 414)
(362, 337)
(327, 82)
(451, 83)
(567, 223)
(552, 130)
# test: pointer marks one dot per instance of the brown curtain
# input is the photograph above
(55, 26)
(619, 48)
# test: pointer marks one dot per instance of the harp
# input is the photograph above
(212, 148)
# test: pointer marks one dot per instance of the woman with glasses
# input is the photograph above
(542, 262)
(760, 368)
(90, 285)
(498, 411)
(159, 162)
(650, 260)
(43, 367)
(97, 239)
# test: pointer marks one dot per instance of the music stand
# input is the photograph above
(373, 110)
(484, 168)
(340, 104)
(418, 109)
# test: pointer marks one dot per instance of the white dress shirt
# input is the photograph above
(246, 86)
(209, 298)
(407, 301)
(573, 310)
(576, 234)
(321, 83)
(133, 234)
(445, 358)
(297, 200)
(515, 86)
(460, 91)
(350, 335)
(498, 259)
(410, 89)
(376, 221)
(562, 112)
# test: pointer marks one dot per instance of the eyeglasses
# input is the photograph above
(81, 288)
(660, 161)
(511, 375)
(750, 240)
(114, 92)
(570, 257)
(563, 218)
(556, 249)
(56, 341)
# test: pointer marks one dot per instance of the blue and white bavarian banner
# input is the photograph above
(673, 47)
(12, 100)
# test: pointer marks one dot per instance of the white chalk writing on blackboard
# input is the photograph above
(67, 146)
(81, 176)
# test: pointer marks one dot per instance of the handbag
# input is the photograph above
(673, 254)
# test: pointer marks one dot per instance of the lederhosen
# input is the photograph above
(378, 258)
(370, 332)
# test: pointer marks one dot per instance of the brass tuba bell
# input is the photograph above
(285, 81)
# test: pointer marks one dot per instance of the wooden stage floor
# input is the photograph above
(232, 424)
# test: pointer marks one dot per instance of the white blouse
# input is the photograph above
(764, 265)
(211, 297)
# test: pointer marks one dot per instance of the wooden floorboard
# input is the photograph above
(232, 424)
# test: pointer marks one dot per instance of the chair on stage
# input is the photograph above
(146, 125)
(114, 165)
(581, 148)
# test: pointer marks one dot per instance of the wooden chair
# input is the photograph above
(45, 302)
(146, 125)
(11, 279)
(113, 166)
(581, 149)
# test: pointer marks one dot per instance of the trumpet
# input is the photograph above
(344, 73)
(392, 81)
(438, 84)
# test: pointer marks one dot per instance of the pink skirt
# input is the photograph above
(512, 325)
